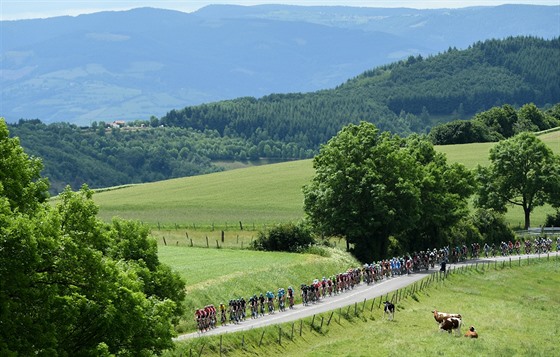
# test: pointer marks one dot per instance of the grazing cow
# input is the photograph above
(389, 309)
(451, 324)
(440, 316)
(471, 333)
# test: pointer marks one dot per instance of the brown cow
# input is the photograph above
(471, 333)
(440, 316)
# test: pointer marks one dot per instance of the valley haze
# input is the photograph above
(111, 65)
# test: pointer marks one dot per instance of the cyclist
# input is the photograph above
(291, 297)
(270, 299)
(242, 305)
(254, 303)
(261, 301)
(223, 314)
(281, 299)
(304, 297)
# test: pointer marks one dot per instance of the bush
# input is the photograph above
(492, 226)
(553, 220)
(288, 237)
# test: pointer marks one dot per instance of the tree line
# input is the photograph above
(496, 124)
(388, 195)
(104, 157)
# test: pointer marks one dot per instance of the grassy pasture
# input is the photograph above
(255, 196)
(513, 308)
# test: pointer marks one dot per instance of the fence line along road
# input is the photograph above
(357, 295)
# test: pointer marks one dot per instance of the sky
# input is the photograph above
(24, 9)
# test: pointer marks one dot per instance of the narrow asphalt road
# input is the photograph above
(357, 295)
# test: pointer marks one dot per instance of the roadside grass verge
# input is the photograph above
(513, 307)
(215, 276)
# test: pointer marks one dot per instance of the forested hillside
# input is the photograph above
(403, 97)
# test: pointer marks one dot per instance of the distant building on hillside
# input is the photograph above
(117, 124)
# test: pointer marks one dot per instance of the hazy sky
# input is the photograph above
(23, 9)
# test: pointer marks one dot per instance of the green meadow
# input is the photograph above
(255, 195)
(251, 197)
(513, 308)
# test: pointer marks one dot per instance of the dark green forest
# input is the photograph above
(405, 97)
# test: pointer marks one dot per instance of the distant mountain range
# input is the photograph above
(145, 62)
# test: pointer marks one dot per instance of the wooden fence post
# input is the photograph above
(312, 321)
(330, 317)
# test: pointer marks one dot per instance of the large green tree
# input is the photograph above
(524, 172)
(444, 190)
(71, 285)
(370, 185)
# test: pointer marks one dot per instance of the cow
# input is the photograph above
(471, 333)
(451, 324)
(440, 316)
(389, 310)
